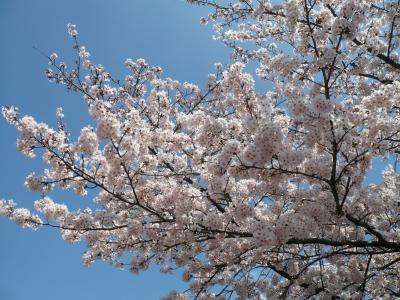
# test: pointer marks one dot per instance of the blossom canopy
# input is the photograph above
(254, 195)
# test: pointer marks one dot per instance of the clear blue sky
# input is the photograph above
(40, 265)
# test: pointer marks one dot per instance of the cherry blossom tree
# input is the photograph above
(254, 195)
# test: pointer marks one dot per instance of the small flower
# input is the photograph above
(53, 56)
(59, 113)
(10, 114)
(203, 21)
(129, 63)
(72, 30)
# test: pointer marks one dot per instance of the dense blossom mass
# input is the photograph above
(254, 195)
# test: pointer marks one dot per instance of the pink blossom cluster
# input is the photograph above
(255, 195)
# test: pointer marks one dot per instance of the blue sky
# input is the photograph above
(40, 265)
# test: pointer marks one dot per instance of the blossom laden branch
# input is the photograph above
(183, 174)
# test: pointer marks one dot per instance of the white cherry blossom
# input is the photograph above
(254, 195)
